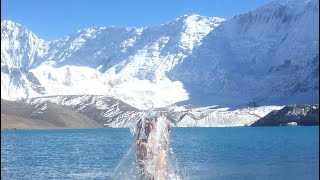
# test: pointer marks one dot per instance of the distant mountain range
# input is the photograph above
(110, 112)
(264, 57)
(92, 111)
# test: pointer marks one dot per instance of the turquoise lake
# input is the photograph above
(206, 153)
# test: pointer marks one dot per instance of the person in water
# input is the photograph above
(152, 143)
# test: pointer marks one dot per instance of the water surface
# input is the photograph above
(206, 153)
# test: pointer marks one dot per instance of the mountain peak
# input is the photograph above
(9, 24)
(197, 17)
(10, 27)
(195, 22)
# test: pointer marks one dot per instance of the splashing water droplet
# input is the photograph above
(150, 156)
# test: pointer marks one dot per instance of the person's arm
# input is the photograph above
(163, 155)
(161, 164)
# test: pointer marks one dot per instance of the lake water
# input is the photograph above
(206, 153)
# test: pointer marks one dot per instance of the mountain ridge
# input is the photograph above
(123, 57)
(267, 56)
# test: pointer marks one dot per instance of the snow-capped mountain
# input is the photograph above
(263, 57)
(127, 63)
(266, 56)
(19, 46)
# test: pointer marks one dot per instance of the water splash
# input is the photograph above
(150, 156)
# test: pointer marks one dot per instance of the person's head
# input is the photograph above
(149, 126)
(146, 125)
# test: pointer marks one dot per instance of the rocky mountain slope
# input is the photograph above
(106, 111)
(291, 115)
(110, 112)
(21, 115)
(88, 111)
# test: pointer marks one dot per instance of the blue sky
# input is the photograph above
(52, 19)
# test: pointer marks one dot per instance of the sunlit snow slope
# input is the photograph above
(126, 63)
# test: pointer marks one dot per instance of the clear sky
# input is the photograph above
(53, 19)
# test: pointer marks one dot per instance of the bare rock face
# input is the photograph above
(292, 115)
